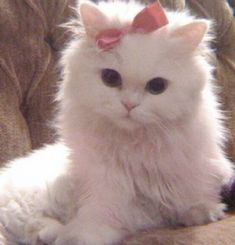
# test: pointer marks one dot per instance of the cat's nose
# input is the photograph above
(129, 105)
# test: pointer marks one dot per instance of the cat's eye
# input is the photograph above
(111, 78)
(156, 85)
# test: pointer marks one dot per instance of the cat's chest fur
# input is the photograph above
(138, 176)
(150, 181)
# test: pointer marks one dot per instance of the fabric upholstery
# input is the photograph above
(30, 44)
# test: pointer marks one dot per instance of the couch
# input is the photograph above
(31, 40)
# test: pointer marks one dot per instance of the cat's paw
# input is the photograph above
(84, 239)
(202, 214)
(99, 235)
(50, 231)
(217, 213)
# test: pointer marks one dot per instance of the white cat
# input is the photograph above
(141, 138)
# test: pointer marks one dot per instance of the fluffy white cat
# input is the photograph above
(141, 138)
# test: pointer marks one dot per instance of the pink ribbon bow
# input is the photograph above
(149, 19)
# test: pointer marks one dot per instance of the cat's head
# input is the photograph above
(145, 79)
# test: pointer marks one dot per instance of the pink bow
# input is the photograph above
(149, 19)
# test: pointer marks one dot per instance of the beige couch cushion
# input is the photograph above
(30, 44)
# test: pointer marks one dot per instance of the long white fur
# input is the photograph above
(110, 176)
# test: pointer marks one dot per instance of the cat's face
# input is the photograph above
(146, 79)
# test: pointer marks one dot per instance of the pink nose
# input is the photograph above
(128, 105)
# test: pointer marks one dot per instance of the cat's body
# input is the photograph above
(129, 159)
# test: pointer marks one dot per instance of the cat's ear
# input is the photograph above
(188, 37)
(92, 18)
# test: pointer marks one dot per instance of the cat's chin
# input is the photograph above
(127, 123)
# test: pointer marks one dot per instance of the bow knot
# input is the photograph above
(149, 19)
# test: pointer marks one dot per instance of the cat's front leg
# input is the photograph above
(202, 214)
(89, 230)
(203, 201)
(51, 228)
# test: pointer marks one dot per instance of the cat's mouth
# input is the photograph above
(128, 116)
(128, 121)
